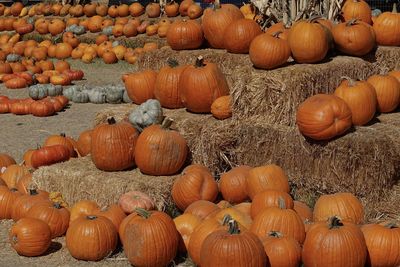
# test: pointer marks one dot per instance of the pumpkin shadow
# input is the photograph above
(323, 143)
(54, 247)
(373, 121)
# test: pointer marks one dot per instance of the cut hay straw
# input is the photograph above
(79, 179)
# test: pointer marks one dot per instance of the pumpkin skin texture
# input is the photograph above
(232, 184)
(115, 140)
(344, 205)
(83, 208)
(215, 22)
(114, 213)
(387, 29)
(387, 92)
(60, 140)
(13, 173)
(185, 34)
(283, 220)
(23, 203)
(242, 218)
(140, 85)
(49, 155)
(323, 117)
(240, 34)
(91, 238)
(84, 142)
(7, 199)
(232, 248)
(354, 38)
(267, 199)
(56, 216)
(281, 251)
(6, 160)
(160, 151)
(361, 98)
(30, 237)
(337, 244)
(269, 51)
(202, 209)
(135, 199)
(166, 89)
(357, 9)
(195, 183)
(201, 84)
(183, 7)
(266, 177)
(308, 41)
(383, 244)
(221, 108)
(303, 210)
(151, 239)
(185, 225)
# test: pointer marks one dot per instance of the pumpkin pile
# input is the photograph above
(323, 116)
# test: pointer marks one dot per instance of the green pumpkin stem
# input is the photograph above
(111, 121)
(394, 8)
(199, 62)
(275, 234)
(172, 62)
(391, 225)
(233, 227)
(281, 203)
(335, 222)
(142, 212)
(167, 123)
(91, 217)
(226, 219)
(57, 205)
(351, 22)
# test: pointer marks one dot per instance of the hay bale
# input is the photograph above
(79, 179)
(387, 57)
(365, 162)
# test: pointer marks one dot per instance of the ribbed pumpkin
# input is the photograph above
(49, 155)
(221, 108)
(114, 213)
(185, 34)
(113, 146)
(232, 248)
(202, 209)
(387, 91)
(323, 117)
(387, 28)
(30, 237)
(6, 160)
(201, 84)
(269, 198)
(361, 98)
(13, 173)
(195, 183)
(357, 9)
(216, 20)
(151, 239)
(54, 214)
(7, 200)
(266, 177)
(185, 225)
(334, 244)
(344, 205)
(183, 7)
(160, 151)
(303, 210)
(91, 238)
(308, 41)
(354, 38)
(232, 184)
(280, 219)
(281, 250)
(383, 244)
(23, 203)
(83, 208)
(244, 219)
(84, 142)
(61, 139)
(166, 89)
(171, 9)
(239, 34)
(140, 85)
(268, 51)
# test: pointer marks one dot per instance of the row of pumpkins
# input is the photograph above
(323, 116)
(152, 10)
(270, 228)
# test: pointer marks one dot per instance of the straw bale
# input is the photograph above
(387, 57)
(79, 179)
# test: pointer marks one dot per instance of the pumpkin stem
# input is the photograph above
(62, 134)
(350, 80)
(335, 222)
(13, 189)
(91, 217)
(217, 4)
(142, 212)
(226, 219)
(351, 22)
(276, 34)
(394, 8)
(199, 62)
(233, 227)
(281, 203)
(391, 225)
(111, 121)
(32, 189)
(172, 62)
(312, 19)
(57, 205)
(275, 234)
(167, 123)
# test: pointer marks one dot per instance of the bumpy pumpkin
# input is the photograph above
(160, 151)
(135, 199)
(323, 117)
(113, 146)
(201, 84)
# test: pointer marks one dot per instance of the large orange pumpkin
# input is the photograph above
(239, 34)
(387, 90)
(140, 85)
(357, 9)
(185, 34)
(387, 28)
